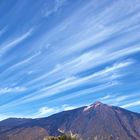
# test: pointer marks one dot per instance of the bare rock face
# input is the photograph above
(95, 122)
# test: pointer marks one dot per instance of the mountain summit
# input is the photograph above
(97, 121)
(94, 106)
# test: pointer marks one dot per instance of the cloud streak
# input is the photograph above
(6, 90)
(132, 104)
(56, 6)
(105, 78)
(7, 46)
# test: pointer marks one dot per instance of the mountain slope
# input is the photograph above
(97, 121)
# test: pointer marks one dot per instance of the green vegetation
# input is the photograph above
(67, 136)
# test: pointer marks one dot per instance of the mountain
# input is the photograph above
(95, 122)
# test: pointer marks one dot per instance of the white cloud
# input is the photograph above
(57, 5)
(85, 38)
(66, 107)
(56, 69)
(119, 99)
(132, 104)
(47, 111)
(88, 91)
(12, 90)
(105, 97)
(105, 76)
(81, 63)
(25, 61)
(9, 45)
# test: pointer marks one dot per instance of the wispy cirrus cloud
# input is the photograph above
(131, 104)
(104, 75)
(25, 61)
(105, 78)
(9, 45)
(85, 92)
(57, 4)
(81, 48)
(122, 100)
(81, 63)
(17, 89)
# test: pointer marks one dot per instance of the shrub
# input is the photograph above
(66, 136)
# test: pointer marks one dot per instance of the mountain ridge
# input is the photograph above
(97, 120)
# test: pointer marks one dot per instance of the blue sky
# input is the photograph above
(57, 55)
